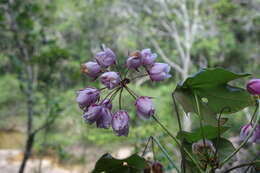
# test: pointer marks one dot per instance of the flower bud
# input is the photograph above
(106, 58)
(91, 69)
(93, 114)
(148, 58)
(107, 103)
(159, 71)
(253, 86)
(134, 61)
(144, 107)
(120, 122)
(199, 148)
(110, 79)
(245, 130)
(105, 118)
(86, 97)
(157, 167)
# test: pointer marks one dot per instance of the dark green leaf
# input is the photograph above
(213, 92)
(108, 164)
(225, 147)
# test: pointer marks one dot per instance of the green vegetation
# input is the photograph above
(43, 44)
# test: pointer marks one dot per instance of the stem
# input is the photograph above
(242, 165)
(113, 95)
(145, 148)
(120, 98)
(130, 92)
(253, 117)
(110, 93)
(247, 138)
(218, 137)
(165, 153)
(178, 143)
(201, 118)
(180, 129)
(136, 77)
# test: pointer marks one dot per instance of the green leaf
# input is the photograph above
(224, 146)
(108, 164)
(210, 132)
(213, 92)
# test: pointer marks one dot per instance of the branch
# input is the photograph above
(175, 35)
(164, 57)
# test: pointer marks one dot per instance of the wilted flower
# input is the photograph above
(200, 149)
(148, 58)
(253, 86)
(245, 130)
(104, 121)
(93, 114)
(159, 71)
(91, 69)
(120, 122)
(87, 96)
(134, 61)
(106, 58)
(157, 167)
(144, 107)
(110, 79)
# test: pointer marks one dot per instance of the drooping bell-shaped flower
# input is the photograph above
(87, 96)
(110, 79)
(120, 123)
(253, 86)
(159, 71)
(134, 61)
(91, 69)
(199, 148)
(148, 58)
(245, 130)
(105, 118)
(93, 114)
(157, 167)
(106, 58)
(107, 103)
(144, 107)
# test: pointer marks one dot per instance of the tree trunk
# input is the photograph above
(27, 152)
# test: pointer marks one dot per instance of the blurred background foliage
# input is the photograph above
(53, 37)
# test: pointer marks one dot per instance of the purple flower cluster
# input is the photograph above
(99, 111)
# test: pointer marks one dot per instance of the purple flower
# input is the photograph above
(105, 118)
(134, 61)
(110, 79)
(253, 86)
(91, 69)
(148, 58)
(93, 114)
(245, 130)
(106, 58)
(120, 122)
(87, 96)
(107, 103)
(144, 107)
(159, 71)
